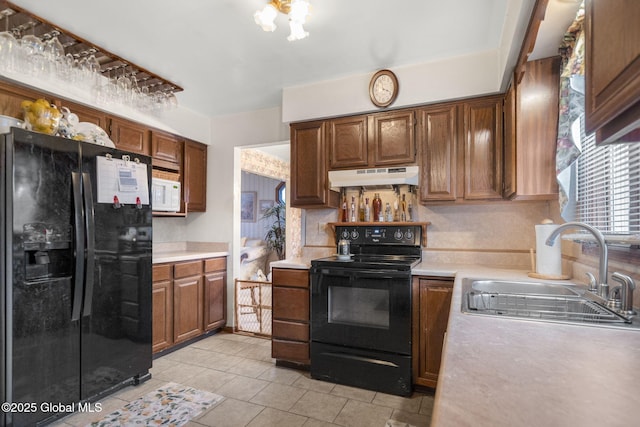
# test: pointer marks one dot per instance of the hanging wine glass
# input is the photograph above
(54, 56)
(33, 49)
(8, 48)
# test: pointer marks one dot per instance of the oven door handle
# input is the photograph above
(376, 274)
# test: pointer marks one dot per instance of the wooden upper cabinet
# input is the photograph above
(531, 131)
(195, 176)
(392, 138)
(348, 142)
(166, 150)
(11, 97)
(612, 72)
(482, 141)
(509, 135)
(437, 138)
(88, 114)
(309, 181)
(130, 136)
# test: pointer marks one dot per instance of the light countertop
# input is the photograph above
(508, 372)
(187, 251)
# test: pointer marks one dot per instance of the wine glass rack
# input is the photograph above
(20, 21)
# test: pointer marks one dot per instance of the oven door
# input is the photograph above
(369, 309)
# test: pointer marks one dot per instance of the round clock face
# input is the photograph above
(383, 88)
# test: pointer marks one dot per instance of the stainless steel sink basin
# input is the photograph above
(528, 288)
(535, 301)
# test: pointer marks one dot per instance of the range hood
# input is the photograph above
(376, 177)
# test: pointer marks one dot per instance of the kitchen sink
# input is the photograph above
(536, 301)
(527, 288)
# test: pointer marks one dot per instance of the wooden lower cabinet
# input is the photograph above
(189, 299)
(162, 307)
(215, 293)
(290, 325)
(430, 312)
(187, 308)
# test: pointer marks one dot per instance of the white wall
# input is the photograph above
(446, 79)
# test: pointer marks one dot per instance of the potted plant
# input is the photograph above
(276, 235)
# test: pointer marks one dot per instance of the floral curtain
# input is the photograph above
(571, 106)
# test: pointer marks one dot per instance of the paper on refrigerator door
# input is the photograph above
(124, 179)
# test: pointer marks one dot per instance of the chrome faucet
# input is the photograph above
(626, 294)
(603, 287)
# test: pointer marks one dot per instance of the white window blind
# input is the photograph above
(609, 189)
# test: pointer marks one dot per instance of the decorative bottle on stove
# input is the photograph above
(361, 208)
(353, 209)
(367, 210)
(377, 207)
(344, 217)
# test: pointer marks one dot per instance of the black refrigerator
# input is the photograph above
(76, 274)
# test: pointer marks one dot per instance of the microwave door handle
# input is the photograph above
(76, 307)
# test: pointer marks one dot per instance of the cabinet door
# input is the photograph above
(166, 150)
(536, 122)
(215, 300)
(162, 315)
(348, 142)
(431, 315)
(195, 176)
(309, 181)
(392, 138)
(86, 114)
(483, 149)
(437, 136)
(130, 136)
(187, 308)
(11, 96)
(612, 72)
(510, 165)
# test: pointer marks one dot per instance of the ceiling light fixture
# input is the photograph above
(298, 10)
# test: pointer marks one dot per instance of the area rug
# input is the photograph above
(173, 405)
(394, 423)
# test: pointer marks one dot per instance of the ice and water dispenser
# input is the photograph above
(47, 249)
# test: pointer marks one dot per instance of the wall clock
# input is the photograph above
(383, 88)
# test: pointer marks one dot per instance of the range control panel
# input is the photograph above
(383, 234)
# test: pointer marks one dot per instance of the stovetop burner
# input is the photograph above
(391, 247)
(369, 261)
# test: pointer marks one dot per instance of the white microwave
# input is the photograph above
(165, 195)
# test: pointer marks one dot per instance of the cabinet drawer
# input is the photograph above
(291, 277)
(290, 330)
(290, 350)
(161, 272)
(186, 269)
(215, 264)
(291, 304)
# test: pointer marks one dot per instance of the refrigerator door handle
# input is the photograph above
(90, 227)
(76, 308)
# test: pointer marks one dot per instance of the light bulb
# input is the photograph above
(299, 11)
(297, 31)
(266, 17)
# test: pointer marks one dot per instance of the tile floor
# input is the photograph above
(258, 393)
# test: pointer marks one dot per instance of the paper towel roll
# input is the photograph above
(548, 258)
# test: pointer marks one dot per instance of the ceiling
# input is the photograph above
(227, 64)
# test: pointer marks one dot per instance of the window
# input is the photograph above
(280, 190)
(608, 188)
